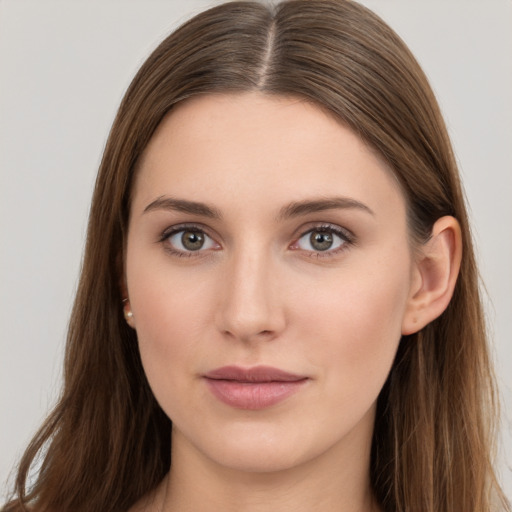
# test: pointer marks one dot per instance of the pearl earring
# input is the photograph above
(128, 314)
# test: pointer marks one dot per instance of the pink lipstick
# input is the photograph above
(252, 388)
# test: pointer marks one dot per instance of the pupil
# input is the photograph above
(192, 241)
(321, 240)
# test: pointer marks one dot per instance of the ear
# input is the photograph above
(434, 276)
(128, 314)
(123, 288)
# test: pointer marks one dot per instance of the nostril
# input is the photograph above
(264, 334)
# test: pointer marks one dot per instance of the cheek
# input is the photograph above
(170, 312)
(356, 324)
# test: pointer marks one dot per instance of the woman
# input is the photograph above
(288, 306)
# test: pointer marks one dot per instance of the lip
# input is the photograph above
(253, 388)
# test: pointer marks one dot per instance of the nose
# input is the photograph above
(250, 303)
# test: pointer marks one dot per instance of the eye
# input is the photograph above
(324, 239)
(188, 240)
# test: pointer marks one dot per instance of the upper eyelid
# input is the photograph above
(176, 228)
(327, 226)
(303, 228)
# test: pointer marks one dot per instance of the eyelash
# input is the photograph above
(347, 240)
(192, 228)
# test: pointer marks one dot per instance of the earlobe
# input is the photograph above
(436, 271)
(123, 287)
(128, 314)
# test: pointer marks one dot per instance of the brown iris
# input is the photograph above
(192, 240)
(321, 240)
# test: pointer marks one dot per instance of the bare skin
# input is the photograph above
(265, 233)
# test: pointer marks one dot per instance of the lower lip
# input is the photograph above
(253, 395)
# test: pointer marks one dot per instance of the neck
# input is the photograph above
(334, 481)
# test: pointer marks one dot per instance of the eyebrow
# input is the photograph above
(294, 209)
(182, 205)
(299, 208)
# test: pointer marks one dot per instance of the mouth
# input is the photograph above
(253, 388)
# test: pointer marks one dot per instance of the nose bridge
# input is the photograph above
(249, 306)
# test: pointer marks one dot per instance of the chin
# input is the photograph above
(259, 459)
(252, 447)
(267, 448)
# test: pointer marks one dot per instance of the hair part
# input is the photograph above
(107, 442)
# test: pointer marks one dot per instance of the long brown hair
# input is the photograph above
(107, 442)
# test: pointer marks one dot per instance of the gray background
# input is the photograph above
(64, 66)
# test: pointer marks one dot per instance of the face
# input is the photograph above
(268, 270)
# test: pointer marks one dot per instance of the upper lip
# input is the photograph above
(254, 374)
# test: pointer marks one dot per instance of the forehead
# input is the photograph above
(249, 148)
